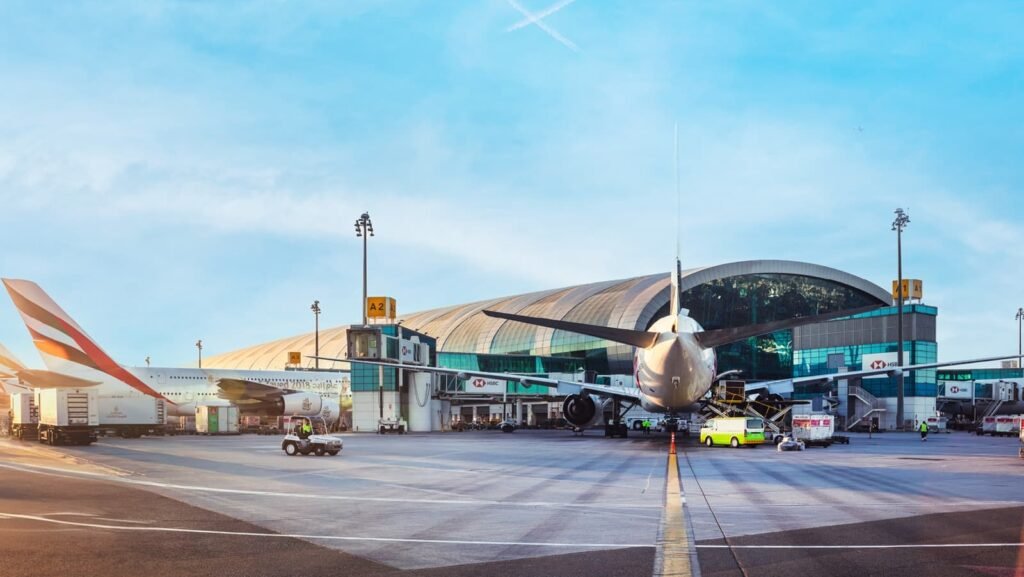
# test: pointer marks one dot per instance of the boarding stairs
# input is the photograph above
(992, 408)
(864, 405)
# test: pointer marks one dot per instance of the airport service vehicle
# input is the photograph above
(392, 425)
(733, 431)
(790, 444)
(319, 443)
(988, 426)
(508, 425)
(217, 420)
(132, 415)
(68, 416)
(1007, 426)
(814, 429)
(24, 417)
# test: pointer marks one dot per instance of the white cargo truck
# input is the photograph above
(1007, 426)
(131, 416)
(24, 417)
(217, 420)
(814, 429)
(67, 416)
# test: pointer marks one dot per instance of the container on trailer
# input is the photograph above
(132, 415)
(24, 417)
(67, 415)
(217, 420)
(814, 429)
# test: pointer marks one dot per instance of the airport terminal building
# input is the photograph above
(721, 296)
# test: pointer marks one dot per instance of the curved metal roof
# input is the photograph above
(628, 303)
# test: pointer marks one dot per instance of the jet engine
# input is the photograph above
(304, 404)
(583, 411)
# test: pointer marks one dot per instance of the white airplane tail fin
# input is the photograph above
(63, 345)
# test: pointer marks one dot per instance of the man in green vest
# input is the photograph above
(924, 430)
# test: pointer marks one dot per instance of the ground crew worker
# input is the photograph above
(924, 430)
(647, 426)
(305, 430)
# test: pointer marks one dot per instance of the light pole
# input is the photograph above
(364, 229)
(316, 314)
(199, 346)
(1020, 318)
(901, 221)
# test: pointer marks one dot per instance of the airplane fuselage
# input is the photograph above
(676, 372)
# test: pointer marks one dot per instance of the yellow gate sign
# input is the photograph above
(912, 289)
(381, 308)
(294, 358)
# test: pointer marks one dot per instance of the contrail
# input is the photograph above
(533, 19)
(538, 16)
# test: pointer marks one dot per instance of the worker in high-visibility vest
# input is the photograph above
(924, 430)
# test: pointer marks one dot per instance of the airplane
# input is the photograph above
(674, 363)
(74, 359)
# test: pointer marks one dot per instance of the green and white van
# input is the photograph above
(733, 431)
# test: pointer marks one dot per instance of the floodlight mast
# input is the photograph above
(901, 221)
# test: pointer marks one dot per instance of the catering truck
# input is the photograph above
(67, 416)
(131, 416)
(24, 417)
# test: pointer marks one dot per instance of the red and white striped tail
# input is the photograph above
(64, 346)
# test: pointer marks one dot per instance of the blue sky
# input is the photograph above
(179, 170)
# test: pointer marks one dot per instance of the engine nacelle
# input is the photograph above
(582, 410)
(303, 404)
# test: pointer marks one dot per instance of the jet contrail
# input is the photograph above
(540, 24)
(538, 16)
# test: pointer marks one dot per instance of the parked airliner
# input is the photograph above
(74, 359)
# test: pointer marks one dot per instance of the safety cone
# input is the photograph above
(672, 445)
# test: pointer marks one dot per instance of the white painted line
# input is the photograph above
(326, 537)
(896, 546)
(38, 469)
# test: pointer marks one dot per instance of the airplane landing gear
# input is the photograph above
(616, 427)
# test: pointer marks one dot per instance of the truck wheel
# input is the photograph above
(382, 430)
(332, 452)
(734, 443)
(319, 450)
(709, 442)
(290, 449)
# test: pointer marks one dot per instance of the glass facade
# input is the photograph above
(760, 298)
(875, 332)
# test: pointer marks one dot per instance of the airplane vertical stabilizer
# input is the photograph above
(64, 346)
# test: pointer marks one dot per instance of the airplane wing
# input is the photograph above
(244, 391)
(39, 379)
(460, 373)
(563, 387)
(889, 371)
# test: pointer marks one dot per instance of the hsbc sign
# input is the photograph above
(482, 385)
(956, 390)
(879, 361)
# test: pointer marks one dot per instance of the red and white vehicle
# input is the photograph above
(814, 429)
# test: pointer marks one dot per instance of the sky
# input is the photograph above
(179, 170)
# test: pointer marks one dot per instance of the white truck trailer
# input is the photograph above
(67, 416)
(217, 420)
(131, 416)
(24, 417)
(814, 429)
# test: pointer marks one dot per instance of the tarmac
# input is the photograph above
(527, 503)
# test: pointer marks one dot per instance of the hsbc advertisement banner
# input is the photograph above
(875, 361)
(957, 389)
(482, 385)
